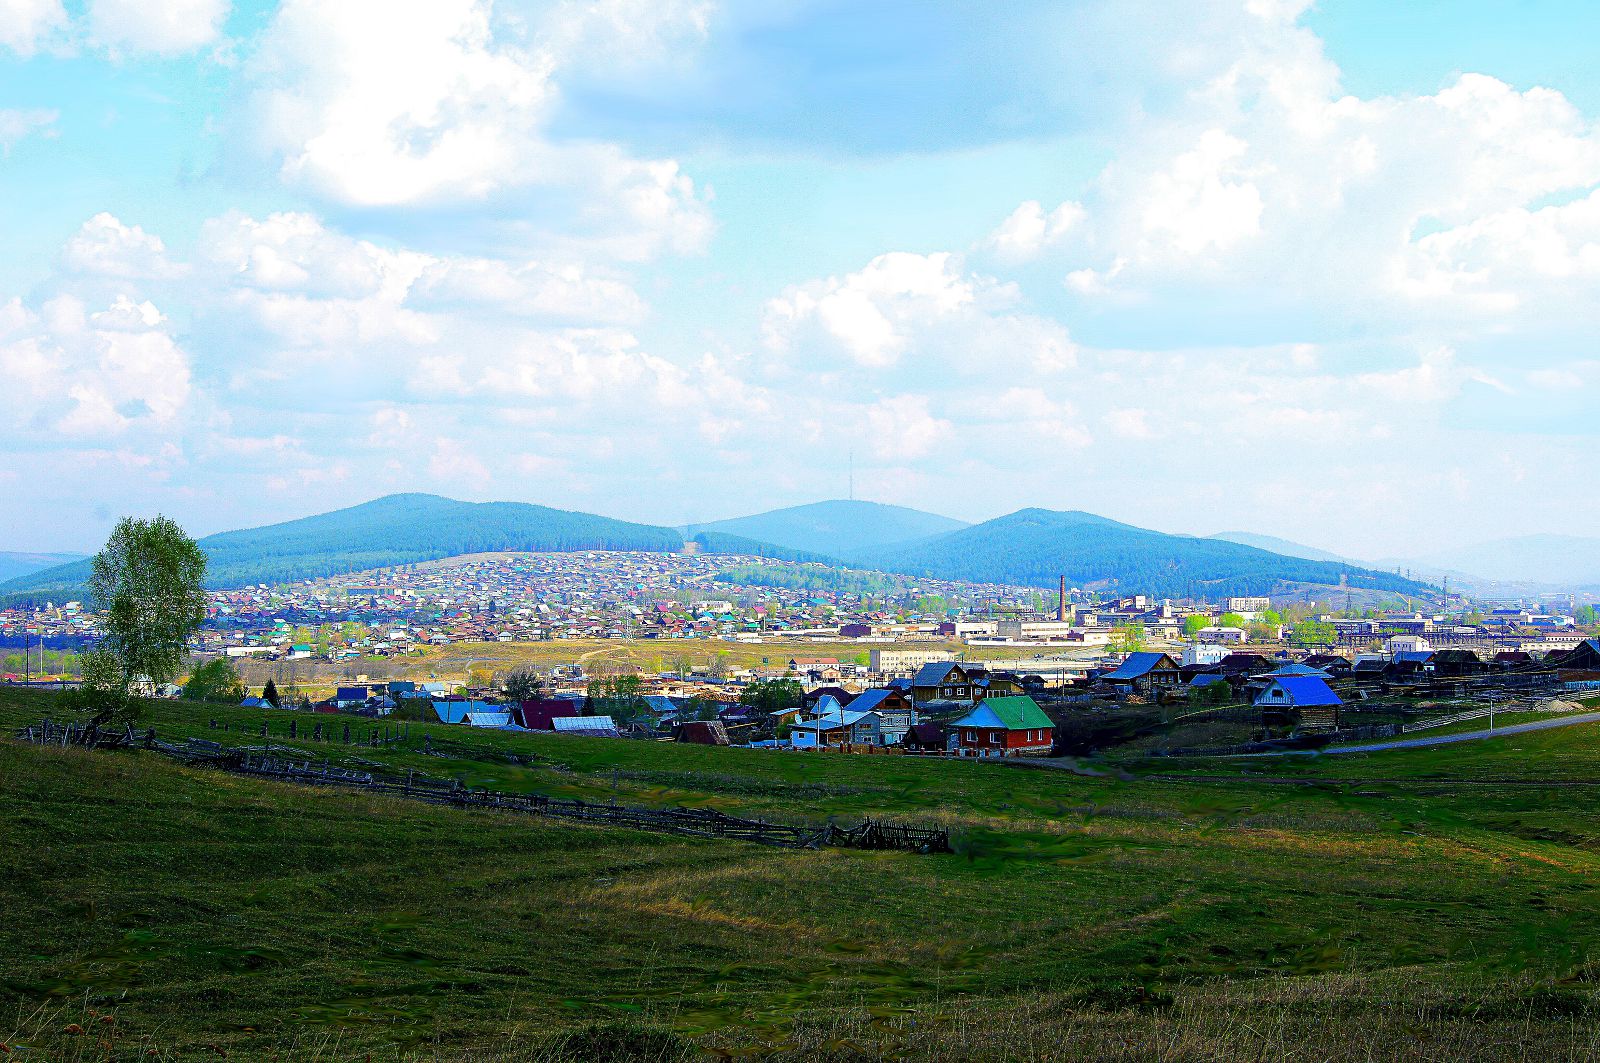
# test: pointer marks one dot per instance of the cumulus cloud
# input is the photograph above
(25, 25)
(449, 106)
(156, 27)
(92, 375)
(903, 306)
(1414, 205)
(107, 247)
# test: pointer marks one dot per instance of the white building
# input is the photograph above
(1233, 635)
(1406, 644)
(895, 662)
(1203, 653)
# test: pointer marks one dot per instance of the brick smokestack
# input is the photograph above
(1061, 602)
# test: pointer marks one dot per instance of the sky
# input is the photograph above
(1325, 271)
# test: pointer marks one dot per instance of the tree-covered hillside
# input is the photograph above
(1037, 546)
(395, 530)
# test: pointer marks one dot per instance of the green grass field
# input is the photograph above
(1360, 907)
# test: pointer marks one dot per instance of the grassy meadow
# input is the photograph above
(1426, 904)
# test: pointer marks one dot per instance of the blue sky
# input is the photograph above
(1322, 271)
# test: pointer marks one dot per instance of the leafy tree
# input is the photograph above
(522, 683)
(1218, 693)
(1313, 633)
(1586, 616)
(269, 694)
(1272, 618)
(1193, 625)
(1127, 638)
(767, 696)
(216, 680)
(103, 690)
(699, 708)
(620, 697)
(147, 583)
(1231, 620)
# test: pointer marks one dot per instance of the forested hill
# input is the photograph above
(13, 565)
(1036, 546)
(395, 530)
(838, 528)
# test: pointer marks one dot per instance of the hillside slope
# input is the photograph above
(1036, 546)
(394, 530)
(14, 564)
(836, 529)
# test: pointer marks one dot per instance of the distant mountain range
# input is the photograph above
(13, 564)
(401, 530)
(1525, 566)
(1035, 546)
(1286, 547)
(1559, 560)
(1030, 547)
(835, 529)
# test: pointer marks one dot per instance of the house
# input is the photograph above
(944, 681)
(1410, 665)
(1333, 664)
(1456, 663)
(456, 710)
(926, 738)
(1296, 691)
(1143, 673)
(700, 732)
(1004, 727)
(488, 719)
(538, 714)
(1581, 664)
(896, 713)
(1244, 664)
(811, 698)
(589, 726)
(837, 728)
(347, 696)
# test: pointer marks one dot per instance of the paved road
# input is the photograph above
(1462, 736)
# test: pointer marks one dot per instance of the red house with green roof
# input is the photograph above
(1004, 727)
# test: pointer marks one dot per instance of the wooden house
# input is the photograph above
(1144, 673)
(1005, 727)
(943, 681)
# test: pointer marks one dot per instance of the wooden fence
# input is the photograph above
(283, 763)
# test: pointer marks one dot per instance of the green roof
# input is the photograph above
(1018, 712)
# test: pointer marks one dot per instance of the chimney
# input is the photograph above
(1061, 605)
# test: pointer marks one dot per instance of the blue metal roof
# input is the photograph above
(933, 673)
(1306, 690)
(1137, 666)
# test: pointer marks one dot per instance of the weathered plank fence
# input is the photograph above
(282, 763)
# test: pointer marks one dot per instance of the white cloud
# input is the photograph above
(104, 246)
(16, 124)
(902, 306)
(529, 289)
(119, 369)
(1029, 230)
(294, 252)
(156, 27)
(448, 105)
(25, 25)
(904, 428)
